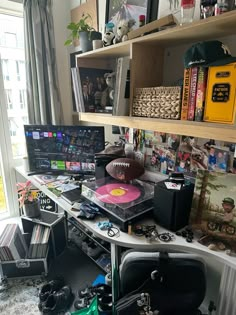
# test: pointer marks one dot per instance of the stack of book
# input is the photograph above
(12, 244)
(39, 242)
(194, 93)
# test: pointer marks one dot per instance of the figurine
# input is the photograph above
(109, 36)
(123, 28)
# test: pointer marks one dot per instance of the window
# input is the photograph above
(9, 99)
(10, 39)
(20, 70)
(5, 69)
(22, 99)
(13, 85)
(13, 128)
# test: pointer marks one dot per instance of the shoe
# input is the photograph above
(58, 302)
(82, 303)
(94, 250)
(49, 288)
(105, 303)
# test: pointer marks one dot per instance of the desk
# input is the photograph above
(227, 294)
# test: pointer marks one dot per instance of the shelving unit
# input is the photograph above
(147, 69)
(82, 229)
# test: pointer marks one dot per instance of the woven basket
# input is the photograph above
(158, 102)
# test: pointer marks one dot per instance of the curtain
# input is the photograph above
(43, 95)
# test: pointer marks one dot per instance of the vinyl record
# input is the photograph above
(118, 193)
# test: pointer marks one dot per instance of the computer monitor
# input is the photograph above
(63, 149)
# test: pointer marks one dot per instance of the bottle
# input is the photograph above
(187, 11)
(141, 20)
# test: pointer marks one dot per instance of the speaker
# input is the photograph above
(172, 207)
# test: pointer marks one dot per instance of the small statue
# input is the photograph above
(123, 28)
(109, 36)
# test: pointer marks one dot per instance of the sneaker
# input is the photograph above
(58, 302)
(49, 288)
(94, 250)
(85, 244)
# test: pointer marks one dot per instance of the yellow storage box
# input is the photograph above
(220, 94)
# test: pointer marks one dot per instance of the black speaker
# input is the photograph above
(172, 207)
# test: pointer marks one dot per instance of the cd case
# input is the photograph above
(122, 201)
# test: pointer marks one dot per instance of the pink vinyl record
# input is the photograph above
(117, 193)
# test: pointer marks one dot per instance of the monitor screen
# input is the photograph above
(63, 149)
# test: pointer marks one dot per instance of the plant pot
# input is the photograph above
(32, 209)
(86, 39)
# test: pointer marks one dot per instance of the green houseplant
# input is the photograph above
(84, 31)
(28, 199)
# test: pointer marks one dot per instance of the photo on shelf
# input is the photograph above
(183, 161)
(152, 138)
(160, 159)
(97, 89)
(173, 141)
(187, 143)
(213, 205)
(218, 159)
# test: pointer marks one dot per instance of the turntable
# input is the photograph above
(123, 203)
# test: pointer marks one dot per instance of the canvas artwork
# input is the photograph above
(95, 90)
(213, 206)
(173, 7)
(118, 10)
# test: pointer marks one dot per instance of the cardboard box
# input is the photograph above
(220, 94)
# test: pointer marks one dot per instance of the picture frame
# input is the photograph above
(117, 10)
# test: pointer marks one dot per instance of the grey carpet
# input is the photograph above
(21, 296)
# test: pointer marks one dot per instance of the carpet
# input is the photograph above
(20, 297)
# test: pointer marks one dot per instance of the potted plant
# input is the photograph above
(83, 31)
(28, 199)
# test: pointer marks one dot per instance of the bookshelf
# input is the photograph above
(147, 69)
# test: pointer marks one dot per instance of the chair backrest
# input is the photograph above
(177, 281)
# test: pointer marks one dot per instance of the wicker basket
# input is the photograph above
(158, 102)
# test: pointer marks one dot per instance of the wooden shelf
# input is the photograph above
(215, 131)
(210, 28)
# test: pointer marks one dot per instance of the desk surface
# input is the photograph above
(133, 241)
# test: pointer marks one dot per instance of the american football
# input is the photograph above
(124, 169)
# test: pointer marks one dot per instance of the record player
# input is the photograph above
(123, 203)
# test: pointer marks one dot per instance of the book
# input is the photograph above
(201, 93)
(77, 90)
(185, 95)
(122, 87)
(192, 93)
